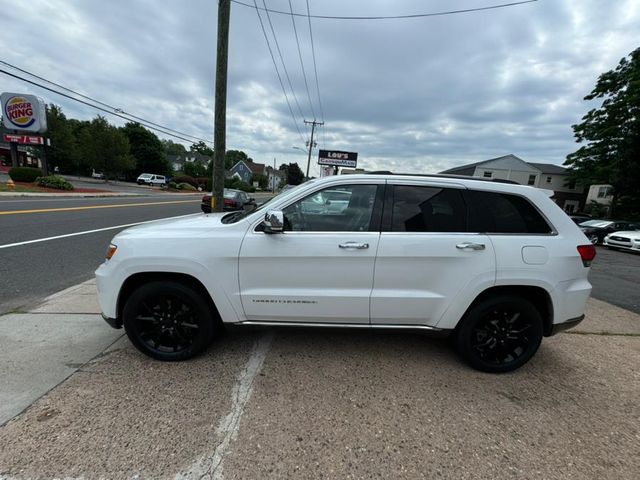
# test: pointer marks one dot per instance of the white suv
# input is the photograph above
(497, 266)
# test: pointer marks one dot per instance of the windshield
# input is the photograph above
(596, 223)
(239, 215)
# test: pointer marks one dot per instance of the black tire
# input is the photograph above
(500, 334)
(168, 321)
(593, 238)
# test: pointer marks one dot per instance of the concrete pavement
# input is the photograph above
(311, 404)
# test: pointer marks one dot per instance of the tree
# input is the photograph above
(105, 148)
(63, 152)
(147, 149)
(611, 134)
(202, 148)
(197, 168)
(173, 148)
(294, 174)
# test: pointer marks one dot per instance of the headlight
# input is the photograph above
(111, 251)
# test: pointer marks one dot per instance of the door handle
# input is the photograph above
(355, 245)
(470, 246)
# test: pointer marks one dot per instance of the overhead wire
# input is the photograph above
(115, 109)
(284, 67)
(395, 17)
(284, 91)
(315, 68)
(304, 73)
(93, 105)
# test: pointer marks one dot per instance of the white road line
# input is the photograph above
(86, 232)
(211, 466)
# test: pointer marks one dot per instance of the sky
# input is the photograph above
(413, 95)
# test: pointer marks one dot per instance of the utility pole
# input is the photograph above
(313, 127)
(220, 115)
(274, 177)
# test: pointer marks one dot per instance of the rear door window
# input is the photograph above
(491, 212)
(427, 209)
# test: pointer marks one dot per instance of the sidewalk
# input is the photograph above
(42, 347)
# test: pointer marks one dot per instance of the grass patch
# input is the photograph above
(19, 188)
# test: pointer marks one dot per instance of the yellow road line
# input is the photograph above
(93, 207)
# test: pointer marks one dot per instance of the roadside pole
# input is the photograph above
(220, 115)
(313, 127)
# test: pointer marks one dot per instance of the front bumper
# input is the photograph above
(560, 327)
(629, 246)
(113, 322)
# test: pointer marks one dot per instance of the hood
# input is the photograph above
(186, 226)
(634, 234)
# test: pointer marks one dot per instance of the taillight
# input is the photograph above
(229, 202)
(587, 253)
(206, 199)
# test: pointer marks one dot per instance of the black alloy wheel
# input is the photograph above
(168, 321)
(500, 334)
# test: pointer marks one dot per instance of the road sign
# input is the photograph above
(337, 158)
(24, 139)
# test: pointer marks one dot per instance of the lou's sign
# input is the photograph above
(337, 158)
(23, 112)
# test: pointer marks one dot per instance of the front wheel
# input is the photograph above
(168, 321)
(594, 239)
(500, 334)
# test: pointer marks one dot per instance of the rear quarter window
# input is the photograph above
(491, 212)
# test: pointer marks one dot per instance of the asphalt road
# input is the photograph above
(32, 271)
(615, 277)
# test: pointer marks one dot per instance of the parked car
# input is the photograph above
(496, 266)
(596, 230)
(151, 179)
(578, 219)
(97, 175)
(233, 200)
(624, 240)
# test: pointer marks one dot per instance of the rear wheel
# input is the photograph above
(500, 334)
(168, 321)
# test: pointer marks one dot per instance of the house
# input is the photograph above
(569, 196)
(177, 162)
(275, 178)
(245, 170)
(601, 194)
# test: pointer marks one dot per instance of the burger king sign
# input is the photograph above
(23, 112)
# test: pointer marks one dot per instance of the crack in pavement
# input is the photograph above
(210, 466)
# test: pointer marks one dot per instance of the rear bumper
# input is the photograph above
(572, 322)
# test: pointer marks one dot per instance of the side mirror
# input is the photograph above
(274, 221)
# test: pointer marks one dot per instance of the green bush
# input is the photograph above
(173, 185)
(185, 179)
(24, 174)
(186, 186)
(236, 183)
(54, 181)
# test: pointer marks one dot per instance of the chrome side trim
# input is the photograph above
(339, 325)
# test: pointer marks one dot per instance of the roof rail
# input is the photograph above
(441, 175)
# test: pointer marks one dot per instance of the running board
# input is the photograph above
(425, 328)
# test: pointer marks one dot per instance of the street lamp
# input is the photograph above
(301, 149)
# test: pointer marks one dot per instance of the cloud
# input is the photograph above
(408, 95)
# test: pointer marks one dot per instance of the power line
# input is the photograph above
(92, 105)
(304, 73)
(115, 109)
(395, 17)
(264, 32)
(286, 73)
(315, 68)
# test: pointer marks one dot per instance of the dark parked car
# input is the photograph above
(233, 200)
(596, 230)
(578, 219)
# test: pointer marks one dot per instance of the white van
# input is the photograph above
(151, 179)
